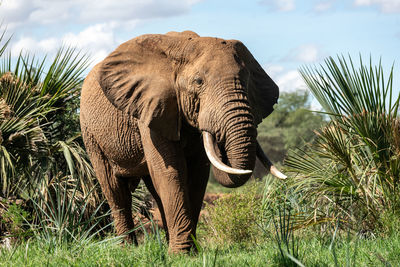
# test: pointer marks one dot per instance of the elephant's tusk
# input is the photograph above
(208, 141)
(267, 163)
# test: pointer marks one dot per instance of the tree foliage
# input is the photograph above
(290, 126)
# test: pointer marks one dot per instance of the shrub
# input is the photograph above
(12, 218)
(233, 218)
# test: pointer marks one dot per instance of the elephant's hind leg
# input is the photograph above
(117, 191)
(152, 190)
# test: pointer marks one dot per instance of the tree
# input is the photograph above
(290, 126)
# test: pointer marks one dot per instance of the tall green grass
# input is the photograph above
(377, 252)
(64, 219)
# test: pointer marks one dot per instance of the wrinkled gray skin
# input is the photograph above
(143, 109)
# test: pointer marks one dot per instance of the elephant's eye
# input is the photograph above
(198, 81)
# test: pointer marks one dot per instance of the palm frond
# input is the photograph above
(354, 163)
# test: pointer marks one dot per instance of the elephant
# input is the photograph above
(165, 109)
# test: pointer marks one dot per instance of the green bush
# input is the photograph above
(390, 223)
(13, 219)
(234, 217)
(60, 219)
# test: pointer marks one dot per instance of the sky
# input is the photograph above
(283, 35)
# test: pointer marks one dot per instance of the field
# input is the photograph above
(314, 251)
(340, 205)
(259, 244)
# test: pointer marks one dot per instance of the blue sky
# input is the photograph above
(283, 35)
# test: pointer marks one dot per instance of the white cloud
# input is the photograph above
(50, 12)
(139, 9)
(15, 12)
(28, 44)
(323, 6)
(287, 80)
(101, 17)
(274, 70)
(97, 40)
(386, 6)
(49, 45)
(28, 13)
(281, 5)
(307, 53)
(290, 81)
(23, 45)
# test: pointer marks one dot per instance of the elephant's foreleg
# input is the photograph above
(167, 167)
(198, 173)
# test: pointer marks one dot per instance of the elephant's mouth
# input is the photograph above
(208, 141)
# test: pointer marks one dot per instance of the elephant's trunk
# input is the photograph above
(234, 154)
(237, 147)
(209, 144)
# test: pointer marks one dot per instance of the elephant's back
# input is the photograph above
(116, 133)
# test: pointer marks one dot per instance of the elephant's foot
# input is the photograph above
(124, 226)
(130, 239)
(182, 243)
(182, 247)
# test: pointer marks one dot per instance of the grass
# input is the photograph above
(316, 252)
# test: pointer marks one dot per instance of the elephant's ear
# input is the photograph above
(263, 93)
(137, 79)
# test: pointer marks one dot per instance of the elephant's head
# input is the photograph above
(212, 84)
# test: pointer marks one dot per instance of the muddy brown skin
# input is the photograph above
(143, 109)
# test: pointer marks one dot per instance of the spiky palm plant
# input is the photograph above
(352, 171)
(41, 150)
(39, 132)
